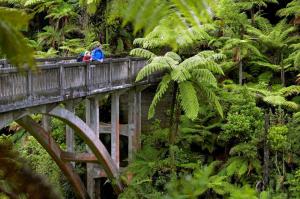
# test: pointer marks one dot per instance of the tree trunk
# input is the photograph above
(241, 72)
(266, 172)
(282, 75)
(172, 135)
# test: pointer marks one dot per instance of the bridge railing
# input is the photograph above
(60, 81)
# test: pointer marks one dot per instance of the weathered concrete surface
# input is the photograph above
(81, 128)
(49, 144)
(91, 139)
(63, 81)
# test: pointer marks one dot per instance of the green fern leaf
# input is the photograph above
(204, 75)
(188, 99)
(140, 52)
(157, 64)
(162, 89)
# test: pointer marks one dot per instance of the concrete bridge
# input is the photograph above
(54, 89)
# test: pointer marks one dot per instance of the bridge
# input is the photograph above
(53, 90)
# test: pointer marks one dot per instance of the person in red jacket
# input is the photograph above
(87, 56)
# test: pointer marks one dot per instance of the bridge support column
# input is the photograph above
(92, 120)
(70, 140)
(134, 122)
(46, 123)
(115, 128)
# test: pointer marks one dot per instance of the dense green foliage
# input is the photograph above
(249, 152)
(232, 68)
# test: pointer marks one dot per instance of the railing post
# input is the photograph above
(62, 83)
(88, 78)
(29, 85)
(110, 73)
(130, 74)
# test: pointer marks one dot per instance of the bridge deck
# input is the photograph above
(57, 82)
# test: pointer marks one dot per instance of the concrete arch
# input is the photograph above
(81, 128)
(53, 149)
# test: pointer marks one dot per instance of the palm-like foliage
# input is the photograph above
(242, 48)
(293, 8)
(278, 98)
(12, 43)
(276, 39)
(174, 23)
(54, 37)
(193, 75)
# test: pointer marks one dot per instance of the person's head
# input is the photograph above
(98, 45)
(87, 53)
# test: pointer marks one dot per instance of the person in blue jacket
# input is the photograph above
(97, 54)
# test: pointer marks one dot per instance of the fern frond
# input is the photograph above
(201, 63)
(161, 90)
(292, 8)
(211, 96)
(188, 99)
(204, 75)
(33, 2)
(265, 77)
(277, 100)
(180, 74)
(266, 64)
(157, 64)
(174, 56)
(140, 52)
(291, 90)
(13, 45)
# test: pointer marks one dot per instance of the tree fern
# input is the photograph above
(158, 63)
(161, 90)
(280, 101)
(293, 8)
(291, 90)
(204, 75)
(188, 99)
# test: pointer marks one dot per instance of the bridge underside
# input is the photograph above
(43, 92)
(89, 131)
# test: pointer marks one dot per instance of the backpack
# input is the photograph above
(80, 57)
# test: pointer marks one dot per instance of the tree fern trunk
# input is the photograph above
(173, 106)
(177, 118)
(266, 172)
(282, 76)
(282, 73)
(241, 72)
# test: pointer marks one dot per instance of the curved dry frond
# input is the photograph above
(161, 90)
(188, 99)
